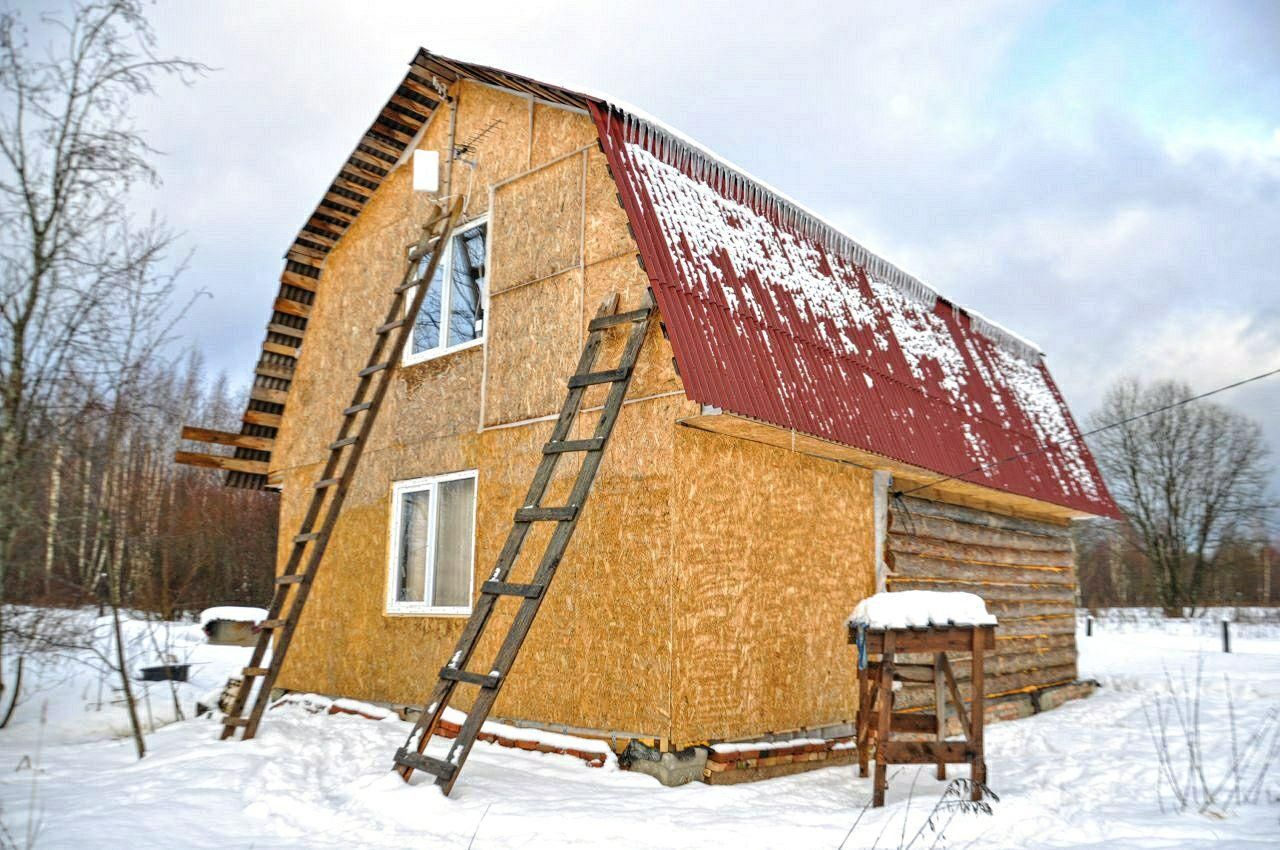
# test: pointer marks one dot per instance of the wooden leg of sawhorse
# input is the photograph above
(940, 708)
(978, 762)
(863, 730)
(883, 731)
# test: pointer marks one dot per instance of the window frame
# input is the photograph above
(432, 484)
(408, 357)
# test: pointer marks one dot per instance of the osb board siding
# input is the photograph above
(1025, 570)
(557, 131)
(503, 150)
(544, 228)
(533, 348)
(598, 656)
(775, 549)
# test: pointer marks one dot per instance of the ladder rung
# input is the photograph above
(256, 671)
(306, 536)
(546, 514)
(415, 254)
(369, 370)
(506, 588)
(356, 408)
(603, 322)
(434, 766)
(607, 377)
(235, 721)
(326, 482)
(390, 326)
(456, 675)
(556, 447)
(291, 578)
(271, 624)
(345, 441)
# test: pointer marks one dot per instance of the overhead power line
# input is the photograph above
(1042, 448)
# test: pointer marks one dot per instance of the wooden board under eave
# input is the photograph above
(231, 464)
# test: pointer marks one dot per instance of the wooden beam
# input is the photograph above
(299, 280)
(232, 464)
(292, 308)
(269, 371)
(258, 417)
(226, 438)
(273, 396)
(283, 350)
(285, 330)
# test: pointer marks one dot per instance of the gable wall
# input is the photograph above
(559, 245)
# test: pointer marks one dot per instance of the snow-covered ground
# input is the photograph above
(1084, 775)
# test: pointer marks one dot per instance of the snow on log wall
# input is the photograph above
(1023, 569)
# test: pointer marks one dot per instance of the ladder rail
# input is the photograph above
(331, 499)
(406, 759)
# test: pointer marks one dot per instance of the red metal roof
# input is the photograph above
(775, 315)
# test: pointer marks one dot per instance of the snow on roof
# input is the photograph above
(238, 613)
(775, 314)
(912, 609)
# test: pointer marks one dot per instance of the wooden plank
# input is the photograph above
(901, 542)
(972, 516)
(270, 370)
(942, 528)
(912, 722)
(286, 330)
(273, 396)
(291, 307)
(918, 565)
(226, 438)
(258, 417)
(924, 752)
(301, 281)
(284, 350)
(231, 464)
(988, 589)
(925, 640)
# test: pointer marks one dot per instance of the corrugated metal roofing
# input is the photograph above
(775, 315)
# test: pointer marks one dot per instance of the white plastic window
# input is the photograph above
(432, 545)
(452, 314)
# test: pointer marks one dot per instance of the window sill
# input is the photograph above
(437, 353)
(411, 610)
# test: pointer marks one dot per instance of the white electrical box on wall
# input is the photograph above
(426, 171)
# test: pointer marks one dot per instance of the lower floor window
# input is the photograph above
(432, 544)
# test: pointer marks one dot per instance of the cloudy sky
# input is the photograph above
(1103, 178)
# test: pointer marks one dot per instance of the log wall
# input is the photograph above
(1023, 568)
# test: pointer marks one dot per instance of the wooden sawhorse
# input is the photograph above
(876, 717)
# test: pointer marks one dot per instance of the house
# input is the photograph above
(807, 424)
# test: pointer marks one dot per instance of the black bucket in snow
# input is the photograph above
(165, 672)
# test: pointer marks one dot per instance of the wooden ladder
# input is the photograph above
(329, 492)
(411, 756)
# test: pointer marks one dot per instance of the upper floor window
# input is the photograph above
(452, 314)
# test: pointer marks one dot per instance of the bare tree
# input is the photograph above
(1191, 481)
(84, 289)
(81, 281)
